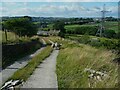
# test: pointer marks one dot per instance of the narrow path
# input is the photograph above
(9, 71)
(44, 76)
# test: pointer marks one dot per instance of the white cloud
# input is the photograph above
(66, 10)
(24, 3)
(9, 3)
(113, 8)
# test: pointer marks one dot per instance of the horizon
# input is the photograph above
(54, 17)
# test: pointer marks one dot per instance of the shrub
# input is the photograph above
(109, 33)
(61, 34)
(84, 39)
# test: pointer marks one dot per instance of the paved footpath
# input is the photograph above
(9, 71)
(44, 76)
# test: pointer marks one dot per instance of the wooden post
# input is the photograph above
(5, 34)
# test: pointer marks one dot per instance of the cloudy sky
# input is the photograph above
(50, 8)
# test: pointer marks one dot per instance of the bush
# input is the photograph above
(84, 39)
(95, 42)
(61, 34)
(118, 35)
(110, 33)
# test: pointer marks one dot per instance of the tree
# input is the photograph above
(4, 29)
(59, 25)
(28, 17)
(21, 26)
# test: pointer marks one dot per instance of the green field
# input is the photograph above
(112, 26)
(108, 26)
(75, 26)
(72, 26)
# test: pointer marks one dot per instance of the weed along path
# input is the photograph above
(44, 76)
(9, 71)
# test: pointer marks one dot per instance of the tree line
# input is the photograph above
(20, 26)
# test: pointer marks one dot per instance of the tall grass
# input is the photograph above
(74, 58)
(25, 72)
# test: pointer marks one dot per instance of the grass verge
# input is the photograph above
(25, 72)
(74, 58)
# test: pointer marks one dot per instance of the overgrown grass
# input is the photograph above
(25, 72)
(74, 58)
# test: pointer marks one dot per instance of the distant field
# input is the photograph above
(108, 26)
(74, 26)
(112, 26)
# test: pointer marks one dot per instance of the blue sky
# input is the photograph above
(58, 9)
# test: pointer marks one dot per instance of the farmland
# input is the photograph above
(108, 26)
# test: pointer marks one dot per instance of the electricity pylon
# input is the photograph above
(102, 27)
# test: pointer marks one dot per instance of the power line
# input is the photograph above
(102, 28)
